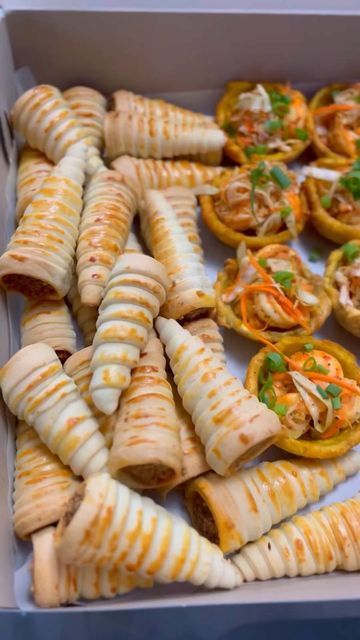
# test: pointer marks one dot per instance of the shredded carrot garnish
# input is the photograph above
(254, 263)
(332, 431)
(333, 108)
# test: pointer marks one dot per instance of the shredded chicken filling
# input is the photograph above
(347, 279)
(338, 124)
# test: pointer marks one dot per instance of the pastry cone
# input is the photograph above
(184, 204)
(233, 511)
(108, 524)
(42, 484)
(146, 452)
(162, 174)
(49, 321)
(319, 542)
(232, 424)
(191, 291)
(55, 583)
(135, 291)
(78, 368)
(148, 137)
(85, 316)
(209, 332)
(90, 107)
(33, 168)
(47, 122)
(38, 260)
(36, 389)
(109, 208)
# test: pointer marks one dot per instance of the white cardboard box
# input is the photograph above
(190, 49)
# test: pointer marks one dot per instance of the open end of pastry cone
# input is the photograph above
(251, 453)
(62, 354)
(29, 287)
(202, 518)
(72, 506)
(150, 475)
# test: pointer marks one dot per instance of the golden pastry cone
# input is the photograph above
(55, 583)
(48, 321)
(33, 168)
(78, 368)
(191, 290)
(47, 122)
(136, 289)
(36, 389)
(106, 219)
(184, 204)
(38, 260)
(85, 316)
(319, 542)
(162, 174)
(94, 161)
(233, 511)
(90, 107)
(209, 332)
(146, 451)
(232, 424)
(148, 137)
(108, 524)
(42, 484)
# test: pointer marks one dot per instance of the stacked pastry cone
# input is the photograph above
(191, 291)
(38, 260)
(47, 122)
(90, 107)
(232, 424)
(136, 289)
(320, 542)
(208, 331)
(33, 168)
(233, 511)
(49, 321)
(85, 316)
(107, 524)
(146, 452)
(42, 484)
(36, 389)
(55, 583)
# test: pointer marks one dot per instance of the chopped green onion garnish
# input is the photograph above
(273, 125)
(284, 278)
(335, 93)
(322, 392)
(314, 255)
(308, 346)
(325, 202)
(281, 179)
(351, 182)
(357, 99)
(279, 102)
(264, 376)
(311, 365)
(351, 251)
(267, 395)
(301, 134)
(356, 164)
(229, 129)
(275, 362)
(262, 262)
(285, 212)
(280, 409)
(333, 389)
(259, 150)
(336, 402)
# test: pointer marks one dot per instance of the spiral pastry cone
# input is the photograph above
(36, 389)
(78, 368)
(162, 174)
(232, 424)
(33, 168)
(123, 100)
(149, 137)
(184, 204)
(109, 208)
(47, 122)
(90, 107)
(55, 583)
(319, 542)
(107, 524)
(208, 331)
(136, 289)
(49, 321)
(42, 484)
(85, 316)
(146, 452)
(38, 260)
(233, 511)
(191, 291)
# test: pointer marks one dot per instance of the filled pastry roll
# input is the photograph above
(36, 389)
(47, 122)
(319, 542)
(49, 321)
(149, 137)
(33, 168)
(146, 452)
(90, 107)
(233, 511)
(42, 484)
(38, 260)
(107, 524)
(232, 424)
(55, 583)
(191, 291)
(342, 284)
(106, 219)
(85, 316)
(78, 368)
(270, 294)
(209, 332)
(136, 289)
